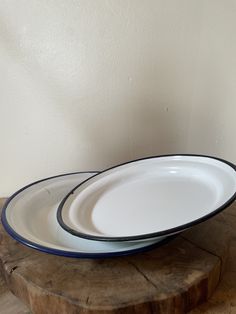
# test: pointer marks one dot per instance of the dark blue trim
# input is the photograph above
(149, 235)
(73, 254)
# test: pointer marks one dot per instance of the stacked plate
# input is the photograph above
(123, 210)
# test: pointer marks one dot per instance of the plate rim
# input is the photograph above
(167, 232)
(73, 254)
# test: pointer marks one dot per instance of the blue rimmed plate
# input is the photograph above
(148, 198)
(29, 216)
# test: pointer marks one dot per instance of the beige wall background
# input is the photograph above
(87, 84)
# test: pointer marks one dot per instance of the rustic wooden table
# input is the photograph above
(222, 301)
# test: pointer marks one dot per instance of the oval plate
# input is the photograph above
(29, 216)
(148, 198)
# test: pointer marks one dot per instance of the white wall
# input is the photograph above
(213, 119)
(89, 83)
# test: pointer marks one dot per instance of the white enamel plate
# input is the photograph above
(148, 198)
(29, 216)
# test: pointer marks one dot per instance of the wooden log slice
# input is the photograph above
(173, 278)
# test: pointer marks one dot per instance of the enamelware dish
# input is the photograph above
(29, 216)
(148, 198)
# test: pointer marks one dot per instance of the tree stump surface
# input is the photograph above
(173, 278)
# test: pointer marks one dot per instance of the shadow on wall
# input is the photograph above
(142, 128)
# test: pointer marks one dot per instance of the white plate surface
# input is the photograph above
(30, 217)
(148, 198)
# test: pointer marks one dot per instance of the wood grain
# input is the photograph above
(9, 304)
(174, 278)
